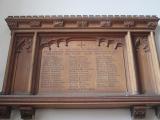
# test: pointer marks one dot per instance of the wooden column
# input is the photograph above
(155, 61)
(7, 77)
(25, 111)
(32, 60)
(132, 78)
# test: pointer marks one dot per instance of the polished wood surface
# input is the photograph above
(84, 66)
(81, 62)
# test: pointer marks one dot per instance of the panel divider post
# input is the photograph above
(32, 62)
(155, 61)
(131, 65)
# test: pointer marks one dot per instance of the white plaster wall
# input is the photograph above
(75, 7)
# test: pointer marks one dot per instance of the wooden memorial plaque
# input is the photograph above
(81, 62)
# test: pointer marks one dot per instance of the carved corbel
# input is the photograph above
(27, 112)
(49, 46)
(82, 23)
(24, 43)
(66, 40)
(49, 41)
(35, 23)
(58, 23)
(118, 43)
(5, 112)
(99, 40)
(142, 41)
(129, 24)
(63, 39)
(138, 112)
(57, 41)
(152, 25)
(106, 23)
(106, 40)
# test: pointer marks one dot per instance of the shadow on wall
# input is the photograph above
(157, 40)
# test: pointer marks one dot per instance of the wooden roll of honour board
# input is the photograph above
(81, 62)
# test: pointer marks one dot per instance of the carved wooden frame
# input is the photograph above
(139, 29)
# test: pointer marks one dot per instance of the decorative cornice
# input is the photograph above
(58, 23)
(91, 21)
(35, 23)
(82, 23)
(106, 23)
(129, 23)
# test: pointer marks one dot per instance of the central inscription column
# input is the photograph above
(106, 71)
(79, 68)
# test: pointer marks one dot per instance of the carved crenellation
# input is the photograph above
(129, 24)
(106, 23)
(58, 23)
(118, 42)
(152, 25)
(138, 112)
(141, 42)
(27, 112)
(24, 43)
(82, 23)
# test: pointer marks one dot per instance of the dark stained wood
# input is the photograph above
(81, 62)
(138, 112)
(157, 111)
(27, 112)
(5, 112)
